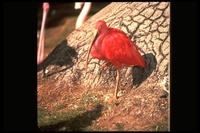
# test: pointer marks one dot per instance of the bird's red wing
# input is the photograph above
(120, 50)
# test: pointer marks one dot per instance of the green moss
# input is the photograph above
(161, 126)
(120, 126)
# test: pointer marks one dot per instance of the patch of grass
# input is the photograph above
(95, 128)
(43, 115)
(161, 126)
(71, 120)
(46, 118)
(120, 126)
(81, 109)
(90, 98)
(41, 112)
(60, 106)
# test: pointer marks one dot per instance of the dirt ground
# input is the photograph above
(86, 109)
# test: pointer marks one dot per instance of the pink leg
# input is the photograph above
(83, 15)
(40, 54)
(117, 83)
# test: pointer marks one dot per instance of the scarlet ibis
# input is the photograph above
(83, 14)
(40, 54)
(113, 45)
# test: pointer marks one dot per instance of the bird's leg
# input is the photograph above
(117, 82)
(106, 65)
(40, 54)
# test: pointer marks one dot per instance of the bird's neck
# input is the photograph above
(104, 31)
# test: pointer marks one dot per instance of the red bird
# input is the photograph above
(114, 46)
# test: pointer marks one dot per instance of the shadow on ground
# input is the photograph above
(77, 123)
(62, 55)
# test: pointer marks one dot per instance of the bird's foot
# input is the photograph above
(111, 99)
(114, 101)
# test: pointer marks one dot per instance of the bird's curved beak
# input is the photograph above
(90, 47)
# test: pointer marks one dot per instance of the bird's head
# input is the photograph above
(100, 26)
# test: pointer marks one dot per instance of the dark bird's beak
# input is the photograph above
(90, 47)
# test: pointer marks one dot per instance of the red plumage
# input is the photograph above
(114, 46)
